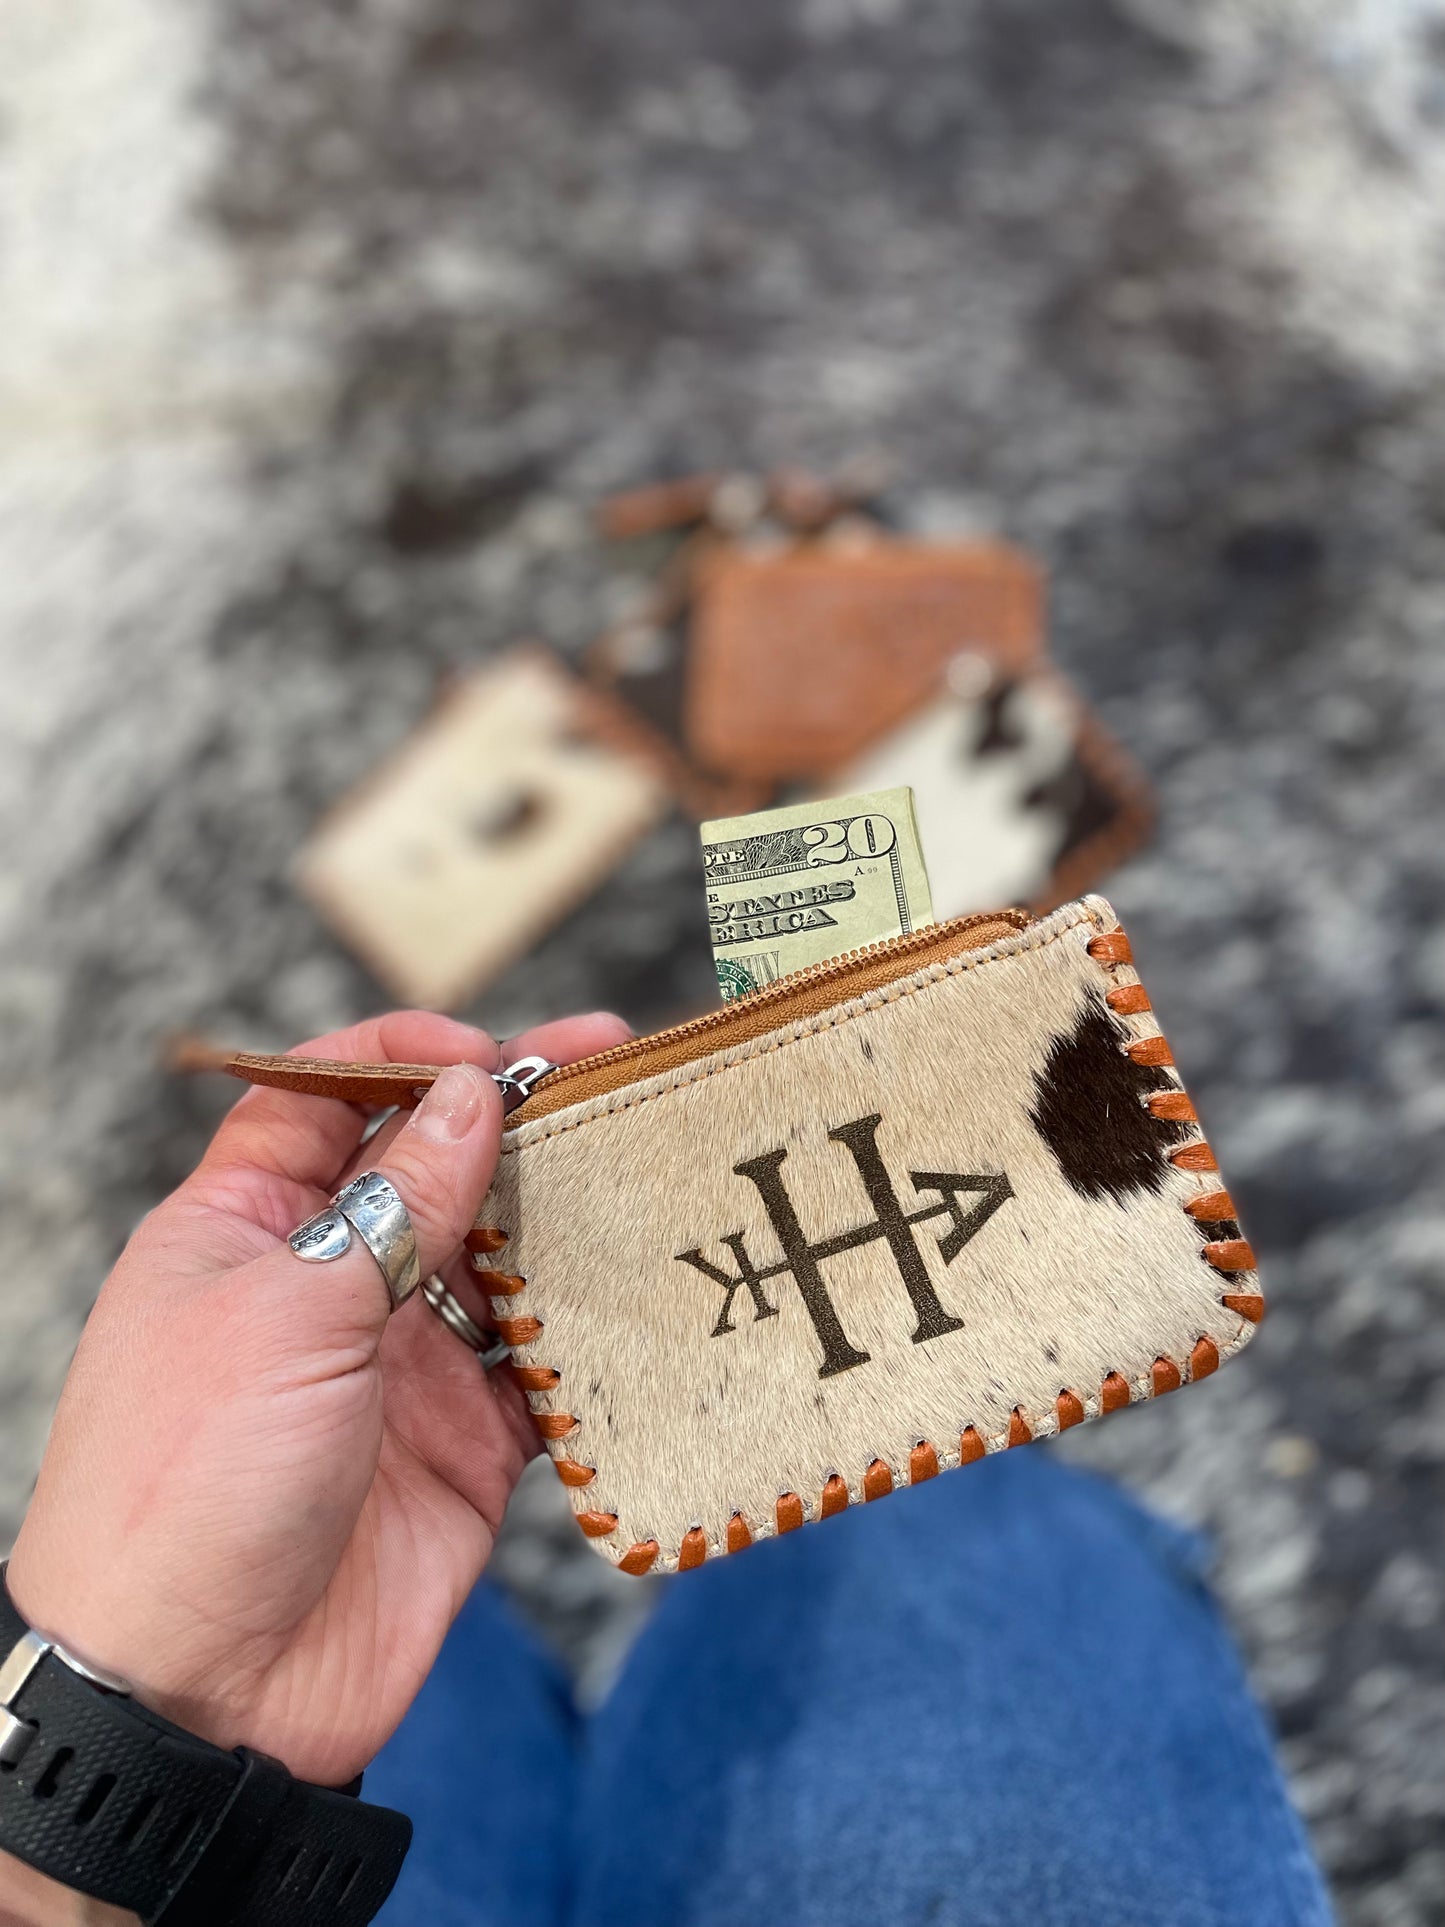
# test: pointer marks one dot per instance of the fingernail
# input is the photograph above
(473, 1042)
(453, 1104)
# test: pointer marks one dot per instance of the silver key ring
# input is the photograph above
(489, 1349)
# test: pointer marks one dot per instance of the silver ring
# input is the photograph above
(371, 1207)
(490, 1349)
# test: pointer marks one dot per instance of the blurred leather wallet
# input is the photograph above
(803, 656)
(924, 1202)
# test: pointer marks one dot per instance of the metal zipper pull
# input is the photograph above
(519, 1080)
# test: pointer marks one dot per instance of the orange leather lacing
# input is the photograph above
(790, 1513)
(482, 1241)
(1210, 1206)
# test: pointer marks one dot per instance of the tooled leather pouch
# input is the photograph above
(933, 1199)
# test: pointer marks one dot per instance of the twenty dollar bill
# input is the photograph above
(796, 886)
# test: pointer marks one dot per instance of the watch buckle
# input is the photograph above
(15, 1738)
(15, 1670)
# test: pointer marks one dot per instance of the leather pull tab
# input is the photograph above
(373, 1086)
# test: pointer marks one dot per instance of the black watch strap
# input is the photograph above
(115, 1801)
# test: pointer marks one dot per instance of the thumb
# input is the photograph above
(440, 1164)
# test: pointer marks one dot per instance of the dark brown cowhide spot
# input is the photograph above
(1090, 1112)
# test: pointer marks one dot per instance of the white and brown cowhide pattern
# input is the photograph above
(935, 1207)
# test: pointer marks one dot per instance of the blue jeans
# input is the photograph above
(1003, 1698)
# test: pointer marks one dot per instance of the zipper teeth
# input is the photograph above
(900, 946)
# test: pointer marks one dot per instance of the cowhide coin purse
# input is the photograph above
(930, 1200)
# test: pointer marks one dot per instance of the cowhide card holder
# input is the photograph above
(932, 1200)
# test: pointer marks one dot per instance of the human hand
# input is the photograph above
(262, 1502)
